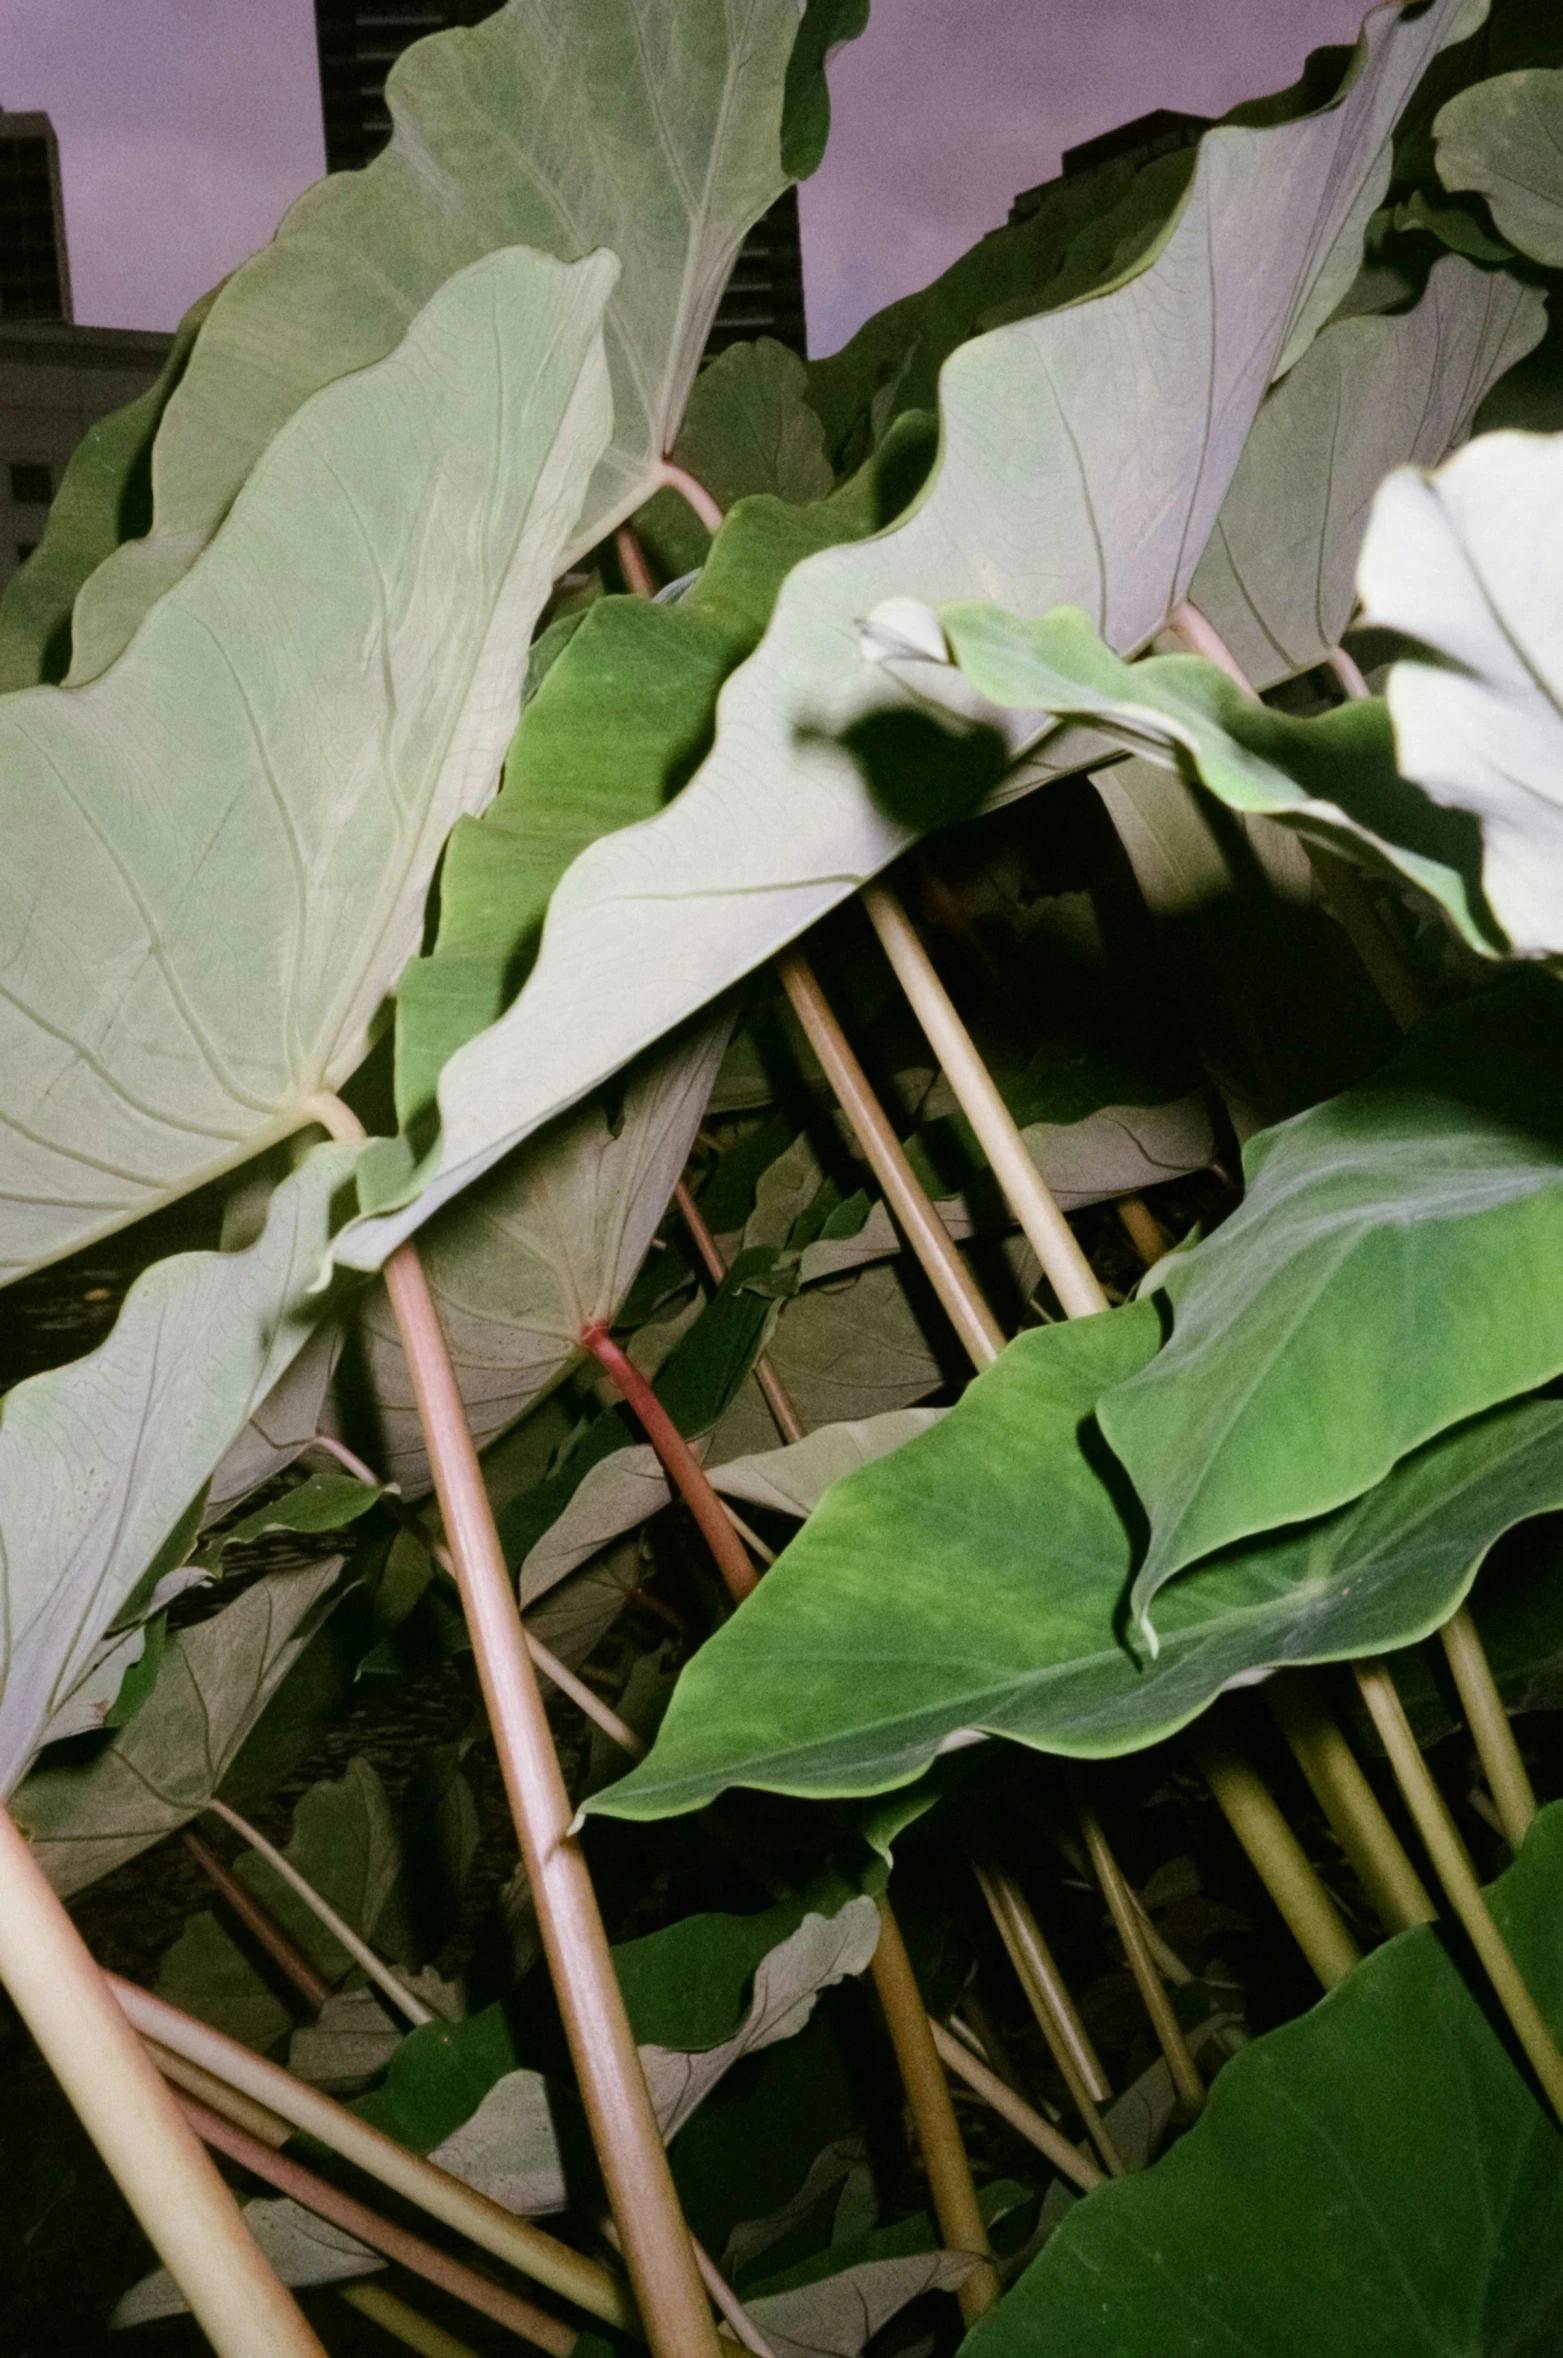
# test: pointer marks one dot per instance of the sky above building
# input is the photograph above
(186, 127)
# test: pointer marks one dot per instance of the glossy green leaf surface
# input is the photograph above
(777, 826)
(614, 129)
(1278, 579)
(1417, 2208)
(212, 1685)
(100, 1460)
(1469, 562)
(186, 968)
(1334, 777)
(1504, 138)
(978, 1580)
(1393, 1269)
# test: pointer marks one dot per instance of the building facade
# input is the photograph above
(35, 278)
(360, 40)
(56, 379)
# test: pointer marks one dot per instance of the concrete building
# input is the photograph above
(360, 40)
(56, 379)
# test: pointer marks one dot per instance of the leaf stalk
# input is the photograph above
(1441, 1840)
(1278, 1858)
(135, 2123)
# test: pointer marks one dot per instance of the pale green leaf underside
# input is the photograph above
(1395, 1267)
(548, 1244)
(1278, 579)
(1134, 410)
(1333, 778)
(1504, 138)
(977, 1580)
(164, 1767)
(99, 1460)
(217, 854)
(1416, 2208)
(1470, 562)
(649, 132)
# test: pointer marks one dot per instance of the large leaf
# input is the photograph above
(212, 1685)
(1417, 2209)
(1089, 230)
(621, 715)
(1135, 407)
(1278, 579)
(547, 1245)
(1504, 138)
(616, 128)
(100, 502)
(1469, 562)
(1333, 777)
(976, 1580)
(102, 1462)
(186, 968)
(301, 2248)
(1393, 1268)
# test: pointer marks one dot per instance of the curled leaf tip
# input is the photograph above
(903, 629)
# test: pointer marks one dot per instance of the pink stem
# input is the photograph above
(393, 2243)
(679, 1462)
(632, 562)
(672, 477)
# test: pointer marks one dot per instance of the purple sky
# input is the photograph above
(186, 126)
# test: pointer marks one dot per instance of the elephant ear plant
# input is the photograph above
(388, 863)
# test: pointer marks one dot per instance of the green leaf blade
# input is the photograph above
(198, 965)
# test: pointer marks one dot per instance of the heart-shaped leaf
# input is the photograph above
(1135, 408)
(186, 968)
(977, 1580)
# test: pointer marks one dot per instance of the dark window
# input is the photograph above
(32, 486)
(24, 549)
(29, 262)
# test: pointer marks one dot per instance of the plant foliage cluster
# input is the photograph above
(1172, 593)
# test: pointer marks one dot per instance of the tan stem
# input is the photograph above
(632, 563)
(1349, 674)
(1276, 1854)
(403, 2323)
(1395, 1890)
(393, 2243)
(134, 2121)
(1189, 2087)
(1512, 1793)
(1050, 2002)
(1027, 1193)
(1141, 1226)
(1453, 1868)
(1340, 880)
(744, 2329)
(259, 1922)
(580, 1694)
(673, 477)
(613, 2088)
(679, 1462)
(340, 1930)
(933, 2115)
(777, 1398)
(573, 2275)
(947, 1273)
(1021, 2116)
